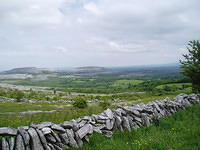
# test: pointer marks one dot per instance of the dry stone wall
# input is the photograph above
(50, 136)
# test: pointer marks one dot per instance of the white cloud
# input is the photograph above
(96, 32)
(92, 7)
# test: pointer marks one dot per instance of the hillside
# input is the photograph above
(28, 70)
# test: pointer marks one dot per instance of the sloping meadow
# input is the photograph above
(47, 135)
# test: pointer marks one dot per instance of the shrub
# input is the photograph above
(80, 103)
(105, 104)
(19, 95)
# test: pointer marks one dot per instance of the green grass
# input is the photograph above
(16, 119)
(177, 85)
(126, 83)
(62, 114)
(181, 131)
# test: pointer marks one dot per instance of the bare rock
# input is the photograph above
(109, 124)
(35, 140)
(51, 146)
(50, 138)
(24, 135)
(109, 113)
(125, 123)
(78, 140)
(72, 141)
(136, 118)
(8, 131)
(107, 133)
(43, 139)
(11, 143)
(85, 130)
(145, 119)
(58, 128)
(86, 138)
(67, 125)
(56, 136)
(19, 143)
(4, 144)
(58, 147)
(64, 138)
(43, 125)
(118, 123)
(74, 125)
(46, 130)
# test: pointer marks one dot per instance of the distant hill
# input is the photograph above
(28, 70)
(150, 71)
(90, 69)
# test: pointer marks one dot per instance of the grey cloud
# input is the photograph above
(97, 32)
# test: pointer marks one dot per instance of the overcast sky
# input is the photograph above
(59, 33)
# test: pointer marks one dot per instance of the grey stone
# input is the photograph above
(131, 122)
(25, 135)
(4, 131)
(42, 139)
(118, 123)
(51, 146)
(67, 125)
(57, 147)
(46, 130)
(11, 143)
(109, 124)
(100, 126)
(145, 119)
(85, 130)
(35, 140)
(120, 111)
(78, 140)
(50, 138)
(101, 117)
(129, 109)
(56, 137)
(125, 123)
(136, 118)
(148, 110)
(108, 134)
(109, 113)
(72, 141)
(137, 107)
(64, 138)
(101, 121)
(58, 128)
(74, 125)
(87, 118)
(96, 129)
(4, 144)
(86, 138)
(43, 125)
(19, 143)
(82, 123)
(25, 127)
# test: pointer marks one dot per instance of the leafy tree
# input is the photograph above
(80, 103)
(19, 95)
(191, 64)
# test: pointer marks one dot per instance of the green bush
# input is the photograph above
(19, 95)
(105, 104)
(80, 103)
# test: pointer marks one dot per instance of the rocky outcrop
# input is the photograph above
(49, 136)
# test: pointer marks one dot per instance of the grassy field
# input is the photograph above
(84, 85)
(101, 85)
(10, 113)
(181, 131)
